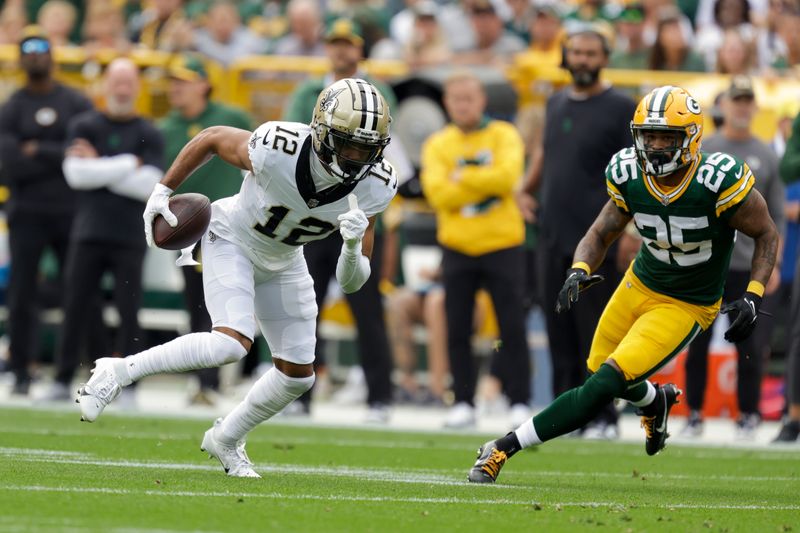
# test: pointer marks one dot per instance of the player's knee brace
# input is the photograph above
(224, 349)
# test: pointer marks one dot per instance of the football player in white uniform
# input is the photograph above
(304, 182)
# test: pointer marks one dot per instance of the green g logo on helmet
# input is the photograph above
(350, 128)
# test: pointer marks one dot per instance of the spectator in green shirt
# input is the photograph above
(192, 111)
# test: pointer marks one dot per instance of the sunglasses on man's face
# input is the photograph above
(35, 46)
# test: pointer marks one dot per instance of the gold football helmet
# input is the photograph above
(350, 128)
(667, 109)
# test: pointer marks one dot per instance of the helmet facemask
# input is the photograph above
(347, 157)
(660, 162)
(667, 114)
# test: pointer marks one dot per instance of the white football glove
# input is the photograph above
(352, 226)
(158, 204)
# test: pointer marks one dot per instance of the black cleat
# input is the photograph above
(655, 415)
(487, 467)
(790, 432)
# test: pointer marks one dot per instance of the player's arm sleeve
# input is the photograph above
(506, 170)
(440, 191)
(352, 269)
(790, 163)
(94, 173)
(736, 185)
(139, 184)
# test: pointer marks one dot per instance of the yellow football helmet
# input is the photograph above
(350, 128)
(670, 109)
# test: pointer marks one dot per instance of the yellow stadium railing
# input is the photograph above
(262, 84)
(80, 69)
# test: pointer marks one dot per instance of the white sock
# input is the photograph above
(649, 396)
(269, 395)
(526, 434)
(189, 352)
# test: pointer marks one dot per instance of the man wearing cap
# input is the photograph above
(585, 124)
(344, 47)
(738, 106)
(114, 159)
(192, 111)
(33, 128)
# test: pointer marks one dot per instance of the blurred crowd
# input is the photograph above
(755, 37)
(494, 254)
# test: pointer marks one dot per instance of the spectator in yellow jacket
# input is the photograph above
(469, 172)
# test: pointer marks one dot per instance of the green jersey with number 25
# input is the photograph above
(686, 236)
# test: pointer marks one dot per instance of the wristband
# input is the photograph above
(582, 266)
(756, 287)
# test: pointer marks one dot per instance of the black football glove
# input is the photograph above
(743, 322)
(577, 280)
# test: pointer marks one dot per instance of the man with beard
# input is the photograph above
(113, 161)
(585, 124)
(33, 127)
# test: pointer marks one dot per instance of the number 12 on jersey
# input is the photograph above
(309, 227)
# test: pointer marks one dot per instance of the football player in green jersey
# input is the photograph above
(687, 206)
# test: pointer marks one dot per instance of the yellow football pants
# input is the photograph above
(642, 330)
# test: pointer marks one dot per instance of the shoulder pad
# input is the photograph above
(273, 138)
(385, 172)
(622, 167)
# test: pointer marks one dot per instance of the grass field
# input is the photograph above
(136, 473)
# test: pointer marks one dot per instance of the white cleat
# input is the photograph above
(233, 458)
(101, 389)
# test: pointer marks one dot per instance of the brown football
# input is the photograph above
(193, 211)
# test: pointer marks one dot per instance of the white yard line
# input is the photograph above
(360, 498)
(430, 476)
(709, 451)
(23, 524)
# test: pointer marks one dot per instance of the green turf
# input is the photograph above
(136, 473)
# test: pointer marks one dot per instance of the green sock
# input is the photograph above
(636, 393)
(576, 407)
